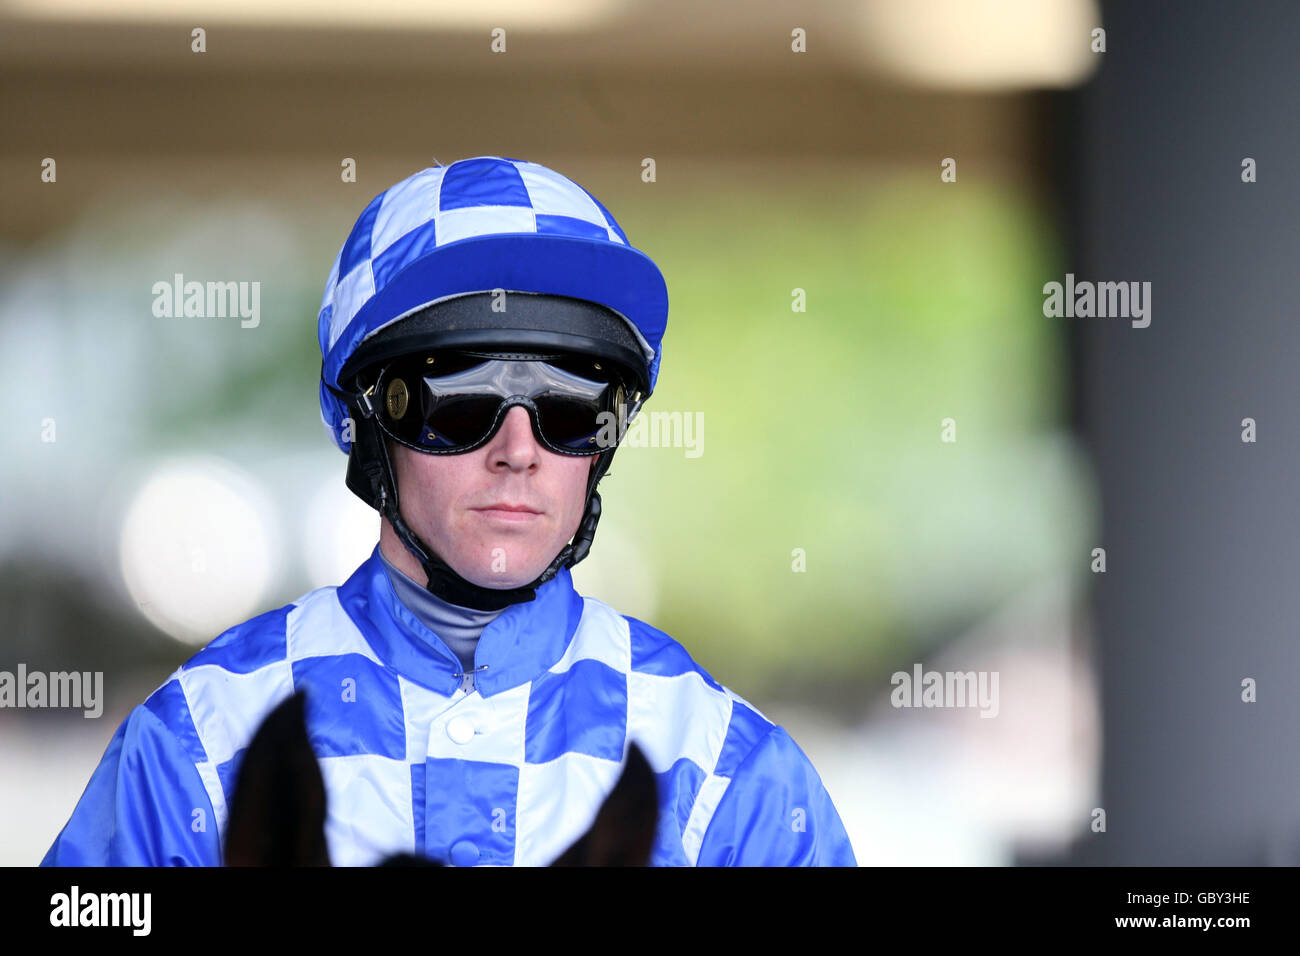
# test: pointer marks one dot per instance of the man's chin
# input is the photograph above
(491, 575)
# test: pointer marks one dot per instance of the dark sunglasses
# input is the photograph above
(450, 403)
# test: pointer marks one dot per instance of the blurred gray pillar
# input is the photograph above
(1201, 531)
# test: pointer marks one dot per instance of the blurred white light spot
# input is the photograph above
(983, 44)
(521, 14)
(341, 532)
(198, 548)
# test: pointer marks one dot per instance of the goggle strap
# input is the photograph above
(366, 402)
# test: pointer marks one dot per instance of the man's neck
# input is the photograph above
(396, 553)
(457, 627)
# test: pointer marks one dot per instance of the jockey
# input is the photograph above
(486, 333)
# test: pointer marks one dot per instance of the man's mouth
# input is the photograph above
(506, 511)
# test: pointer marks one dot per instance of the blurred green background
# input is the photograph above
(822, 427)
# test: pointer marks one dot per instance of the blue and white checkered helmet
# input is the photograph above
(476, 226)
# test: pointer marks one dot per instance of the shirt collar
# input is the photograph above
(459, 627)
(519, 645)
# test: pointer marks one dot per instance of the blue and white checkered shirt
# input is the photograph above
(510, 773)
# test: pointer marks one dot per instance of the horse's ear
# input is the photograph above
(624, 831)
(408, 859)
(277, 812)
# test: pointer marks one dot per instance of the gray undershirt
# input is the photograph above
(459, 627)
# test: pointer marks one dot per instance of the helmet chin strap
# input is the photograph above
(443, 581)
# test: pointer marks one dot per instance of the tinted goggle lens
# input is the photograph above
(456, 402)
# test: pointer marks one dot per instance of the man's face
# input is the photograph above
(448, 502)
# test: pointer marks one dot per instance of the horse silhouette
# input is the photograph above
(278, 809)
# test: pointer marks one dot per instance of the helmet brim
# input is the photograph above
(515, 322)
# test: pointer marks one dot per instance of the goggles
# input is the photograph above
(447, 403)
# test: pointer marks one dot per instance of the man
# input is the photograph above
(486, 333)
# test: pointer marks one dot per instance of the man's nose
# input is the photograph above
(514, 444)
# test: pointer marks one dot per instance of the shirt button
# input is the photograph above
(464, 853)
(461, 730)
